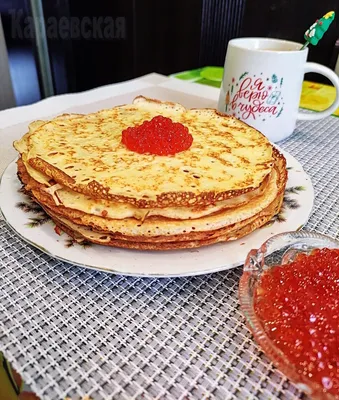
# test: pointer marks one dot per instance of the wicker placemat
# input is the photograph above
(75, 332)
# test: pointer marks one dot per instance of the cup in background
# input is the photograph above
(262, 84)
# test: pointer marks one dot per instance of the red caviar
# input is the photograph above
(298, 305)
(160, 136)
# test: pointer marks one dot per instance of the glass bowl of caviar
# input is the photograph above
(289, 295)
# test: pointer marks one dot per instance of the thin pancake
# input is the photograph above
(80, 234)
(57, 195)
(164, 230)
(227, 158)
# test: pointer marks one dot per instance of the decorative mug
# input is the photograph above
(262, 85)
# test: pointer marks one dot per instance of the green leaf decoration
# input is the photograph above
(231, 89)
(281, 217)
(295, 189)
(290, 203)
(29, 207)
(85, 244)
(243, 75)
(281, 81)
(22, 190)
(279, 113)
(38, 221)
(274, 78)
(269, 223)
(69, 242)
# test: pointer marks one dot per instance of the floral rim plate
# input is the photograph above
(35, 227)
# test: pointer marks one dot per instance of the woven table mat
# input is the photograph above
(76, 332)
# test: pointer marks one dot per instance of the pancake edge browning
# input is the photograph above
(189, 235)
(187, 198)
(170, 199)
(192, 239)
(102, 230)
(259, 222)
(41, 192)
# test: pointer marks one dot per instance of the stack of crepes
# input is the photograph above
(228, 183)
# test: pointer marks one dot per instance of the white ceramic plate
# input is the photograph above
(33, 226)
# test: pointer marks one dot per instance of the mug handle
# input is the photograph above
(332, 76)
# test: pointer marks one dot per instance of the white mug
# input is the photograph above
(262, 85)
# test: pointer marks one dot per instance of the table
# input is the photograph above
(74, 332)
